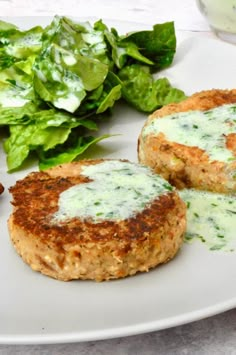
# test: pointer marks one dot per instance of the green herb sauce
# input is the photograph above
(117, 191)
(203, 129)
(211, 218)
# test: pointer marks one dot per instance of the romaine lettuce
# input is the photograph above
(46, 130)
(145, 93)
(55, 82)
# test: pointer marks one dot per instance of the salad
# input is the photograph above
(57, 82)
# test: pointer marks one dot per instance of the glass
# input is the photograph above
(221, 16)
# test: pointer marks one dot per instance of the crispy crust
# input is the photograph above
(81, 249)
(185, 166)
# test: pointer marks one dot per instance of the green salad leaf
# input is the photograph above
(56, 82)
(158, 45)
(18, 45)
(63, 154)
(145, 93)
(46, 131)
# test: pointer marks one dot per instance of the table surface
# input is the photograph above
(214, 335)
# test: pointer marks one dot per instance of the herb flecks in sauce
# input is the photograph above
(117, 191)
(204, 129)
(211, 219)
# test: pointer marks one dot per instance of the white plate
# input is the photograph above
(196, 284)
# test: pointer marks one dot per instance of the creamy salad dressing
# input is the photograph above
(204, 129)
(14, 97)
(69, 59)
(211, 218)
(29, 40)
(70, 100)
(220, 13)
(117, 191)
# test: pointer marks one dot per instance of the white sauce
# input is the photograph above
(211, 218)
(204, 129)
(11, 97)
(69, 103)
(41, 75)
(69, 59)
(220, 13)
(117, 191)
(93, 38)
(56, 75)
(27, 41)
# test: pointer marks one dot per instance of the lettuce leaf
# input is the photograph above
(17, 115)
(158, 45)
(142, 91)
(64, 154)
(45, 131)
(68, 66)
(56, 83)
(16, 45)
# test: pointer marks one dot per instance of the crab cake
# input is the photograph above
(193, 143)
(96, 219)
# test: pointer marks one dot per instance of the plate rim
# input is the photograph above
(169, 322)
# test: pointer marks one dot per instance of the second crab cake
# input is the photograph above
(193, 143)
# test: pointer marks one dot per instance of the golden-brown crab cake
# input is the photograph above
(193, 143)
(96, 219)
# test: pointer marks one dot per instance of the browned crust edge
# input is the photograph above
(185, 166)
(82, 249)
